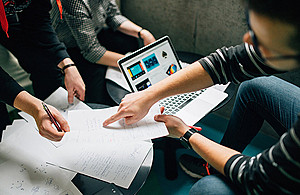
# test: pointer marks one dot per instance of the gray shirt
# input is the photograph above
(82, 21)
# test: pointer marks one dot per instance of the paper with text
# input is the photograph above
(113, 163)
(86, 126)
(22, 172)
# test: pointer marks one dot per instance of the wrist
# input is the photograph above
(185, 138)
(64, 62)
(67, 67)
(142, 34)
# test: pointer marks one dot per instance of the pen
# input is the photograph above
(53, 120)
(197, 128)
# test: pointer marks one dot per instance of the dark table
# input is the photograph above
(91, 186)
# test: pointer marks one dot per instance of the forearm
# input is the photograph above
(191, 78)
(27, 103)
(129, 28)
(110, 59)
(215, 154)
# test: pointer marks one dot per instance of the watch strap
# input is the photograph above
(185, 138)
(65, 67)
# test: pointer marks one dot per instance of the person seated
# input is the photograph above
(275, 170)
(96, 36)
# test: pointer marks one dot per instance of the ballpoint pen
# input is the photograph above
(53, 120)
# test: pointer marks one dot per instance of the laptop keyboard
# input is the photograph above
(175, 103)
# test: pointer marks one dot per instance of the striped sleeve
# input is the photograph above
(235, 64)
(274, 171)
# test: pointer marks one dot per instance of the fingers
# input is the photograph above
(120, 114)
(160, 118)
(131, 120)
(50, 133)
(62, 122)
(70, 97)
(80, 94)
(162, 109)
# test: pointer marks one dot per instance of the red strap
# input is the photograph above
(3, 19)
(207, 169)
(197, 128)
(60, 8)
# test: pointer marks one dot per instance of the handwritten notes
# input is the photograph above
(86, 126)
(24, 173)
(114, 163)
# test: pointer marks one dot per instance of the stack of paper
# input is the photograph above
(23, 166)
(32, 164)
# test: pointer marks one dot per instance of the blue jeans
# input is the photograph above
(264, 98)
(214, 185)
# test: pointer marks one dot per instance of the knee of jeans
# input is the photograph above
(211, 185)
(254, 86)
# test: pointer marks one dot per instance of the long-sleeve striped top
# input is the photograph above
(277, 169)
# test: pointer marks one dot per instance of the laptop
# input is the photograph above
(158, 60)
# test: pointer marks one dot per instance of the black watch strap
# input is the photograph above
(65, 67)
(185, 138)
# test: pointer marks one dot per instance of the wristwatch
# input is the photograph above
(185, 138)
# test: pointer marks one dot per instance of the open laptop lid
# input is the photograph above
(150, 64)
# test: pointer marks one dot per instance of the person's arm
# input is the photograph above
(234, 64)
(134, 30)
(73, 81)
(214, 153)
(39, 25)
(80, 23)
(275, 170)
(33, 106)
(135, 106)
(13, 94)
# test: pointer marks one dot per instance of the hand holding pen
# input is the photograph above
(45, 125)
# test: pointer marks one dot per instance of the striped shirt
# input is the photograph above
(277, 169)
(82, 21)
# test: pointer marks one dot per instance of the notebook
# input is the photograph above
(158, 60)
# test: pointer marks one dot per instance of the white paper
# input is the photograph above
(86, 127)
(59, 100)
(23, 173)
(115, 75)
(113, 163)
(25, 141)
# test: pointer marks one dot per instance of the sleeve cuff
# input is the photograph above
(116, 21)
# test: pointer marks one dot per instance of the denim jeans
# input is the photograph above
(264, 98)
(214, 185)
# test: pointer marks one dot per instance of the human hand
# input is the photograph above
(133, 108)
(176, 127)
(74, 84)
(147, 37)
(45, 127)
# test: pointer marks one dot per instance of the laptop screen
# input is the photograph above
(150, 64)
